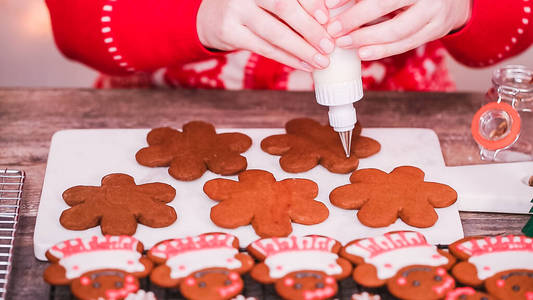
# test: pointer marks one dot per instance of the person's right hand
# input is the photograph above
(282, 30)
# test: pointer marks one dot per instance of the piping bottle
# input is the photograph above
(339, 86)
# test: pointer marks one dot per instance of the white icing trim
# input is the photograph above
(109, 40)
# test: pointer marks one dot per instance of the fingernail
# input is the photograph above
(331, 3)
(326, 45)
(365, 53)
(334, 28)
(321, 60)
(321, 17)
(306, 66)
(344, 41)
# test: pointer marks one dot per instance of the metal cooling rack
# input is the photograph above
(11, 183)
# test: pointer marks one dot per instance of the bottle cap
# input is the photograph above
(340, 93)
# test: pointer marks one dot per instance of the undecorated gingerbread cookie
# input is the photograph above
(504, 264)
(118, 205)
(379, 258)
(269, 205)
(420, 282)
(195, 149)
(300, 267)
(308, 143)
(381, 198)
(207, 266)
(98, 267)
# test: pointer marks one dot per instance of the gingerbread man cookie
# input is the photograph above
(379, 258)
(307, 144)
(118, 205)
(382, 198)
(420, 282)
(467, 293)
(195, 149)
(207, 266)
(492, 260)
(514, 284)
(98, 267)
(267, 204)
(301, 267)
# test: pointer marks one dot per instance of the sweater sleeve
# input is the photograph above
(496, 30)
(122, 36)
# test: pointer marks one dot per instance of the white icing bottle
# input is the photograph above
(339, 86)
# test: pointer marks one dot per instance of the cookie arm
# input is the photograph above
(80, 194)
(276, 144)
(154, 156)
(220, 189)
(80, 217)
(350, 196)
(438, 194)
(158, 191)
(364, 147)
(235, 141)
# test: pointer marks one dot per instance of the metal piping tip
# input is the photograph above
(346, 140)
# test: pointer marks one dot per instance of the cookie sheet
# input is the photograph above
(83, 157)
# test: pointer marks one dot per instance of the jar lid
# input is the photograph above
(496, 125)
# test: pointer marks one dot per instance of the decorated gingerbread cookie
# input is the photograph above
(195, 149)
(514, 284)
(301, 267)
(308, 143)
(207, 266)
(486, 257)
(467, 293)
(381, 198)
(418, 282)
(118, 205)
(379, 258)
(269, 205)
(97, 267)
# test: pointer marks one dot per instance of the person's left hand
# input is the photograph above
(417, 22)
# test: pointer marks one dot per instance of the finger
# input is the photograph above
(317, 9)
(361, 13)
(298, 19)
(402, 25)
(281, 36)
(374, 52)
(250, 41)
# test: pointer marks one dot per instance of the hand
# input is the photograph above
(416, 23)
(288, 31)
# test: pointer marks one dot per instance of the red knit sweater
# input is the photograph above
(156, 42)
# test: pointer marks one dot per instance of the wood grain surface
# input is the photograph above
(29, 118)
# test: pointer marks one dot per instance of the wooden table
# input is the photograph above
(28, 118)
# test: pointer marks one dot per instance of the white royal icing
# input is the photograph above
(392, 251)
(492, 263)
(126, 260)
(283, 263)
(191, 261)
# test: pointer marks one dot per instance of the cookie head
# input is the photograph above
(421, 282)
(514, 284)
(213, 283)
(381, 257)
(306, 285)
(484, 257)
(104, 284)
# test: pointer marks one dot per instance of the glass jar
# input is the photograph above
(503, 127)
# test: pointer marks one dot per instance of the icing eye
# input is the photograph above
(516, 288)
(190, 281)
(415, 283)
(96, 285)
(437, 278)
(201, 284)
(402, 281)
(288, 281)
(118, 284)
(85, 280)
(319, 285)
(298, 286)
(227, 282)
